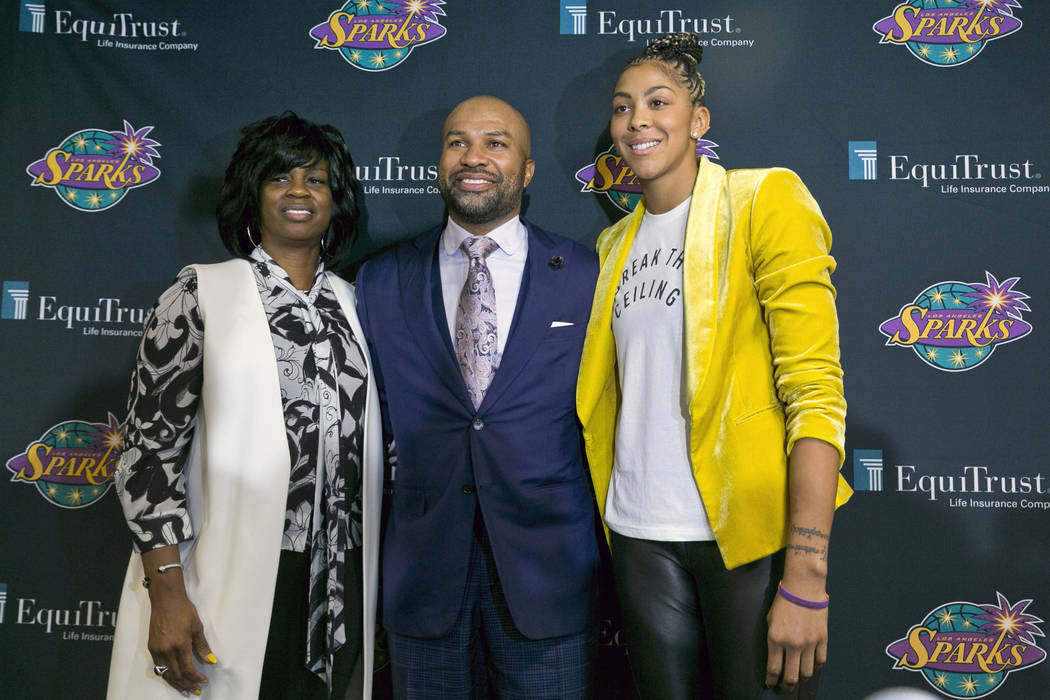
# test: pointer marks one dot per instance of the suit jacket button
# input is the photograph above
(467, 489)
(478, 424)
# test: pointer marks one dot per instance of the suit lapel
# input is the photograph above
(420, 285)
(541, 287)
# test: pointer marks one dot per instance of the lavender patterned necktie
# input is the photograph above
(476, 335)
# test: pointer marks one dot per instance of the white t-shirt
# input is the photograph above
(653, 493)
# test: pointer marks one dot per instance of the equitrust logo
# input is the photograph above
(377, 35)
(610, 175)
(867, 470)
(948, 33)
(71, 465)
(957, 326)
(863, 160)
(31, 16)
(84, 621)
(390, 175)
(575, 18)
(968, 650)
(103, 317)
(118, 30)
(960, 174)
(969, 487)
(93, 169)
(16, 300)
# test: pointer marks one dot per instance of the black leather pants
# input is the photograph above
(693, 628)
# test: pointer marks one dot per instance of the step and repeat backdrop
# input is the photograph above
(920, 127)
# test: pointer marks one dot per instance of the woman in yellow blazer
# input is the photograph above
(710, 393)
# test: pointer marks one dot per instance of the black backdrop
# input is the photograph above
(944, 438)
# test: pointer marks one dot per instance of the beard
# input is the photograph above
(477, 208)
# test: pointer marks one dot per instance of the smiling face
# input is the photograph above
(654, 126)
(295, 207)
(484, 164)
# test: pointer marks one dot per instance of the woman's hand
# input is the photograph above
(798, 643)
(798, 636)
(176, 634)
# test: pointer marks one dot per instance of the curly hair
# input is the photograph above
(680, 55)
(276, 145)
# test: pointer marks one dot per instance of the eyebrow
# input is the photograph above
(459, 132)
(650, 91)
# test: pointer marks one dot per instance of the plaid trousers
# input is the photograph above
(485, 656)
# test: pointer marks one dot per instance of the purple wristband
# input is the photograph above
(804, 602)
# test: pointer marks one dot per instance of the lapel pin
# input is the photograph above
(557, 262)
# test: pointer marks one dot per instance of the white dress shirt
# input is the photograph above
(506, 265)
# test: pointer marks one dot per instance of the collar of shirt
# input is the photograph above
(511, 238)
(271, 267)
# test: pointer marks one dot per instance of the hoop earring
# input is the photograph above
(250, 239)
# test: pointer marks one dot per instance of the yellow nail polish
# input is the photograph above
(197, 691)
(212, 659)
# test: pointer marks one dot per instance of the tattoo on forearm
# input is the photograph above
(801, 549)
(809, 532)
(821, 550)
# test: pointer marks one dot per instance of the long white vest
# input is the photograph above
(237, 472)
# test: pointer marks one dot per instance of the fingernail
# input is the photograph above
(211, 659)
(197, 691)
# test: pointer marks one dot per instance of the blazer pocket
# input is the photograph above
(757, 412)
(564, 334)
(409, 502)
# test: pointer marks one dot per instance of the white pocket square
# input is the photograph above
(559, 324)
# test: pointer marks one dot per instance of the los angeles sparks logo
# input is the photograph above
(376, 35)
(609, 174)
(955, 326)
(72, 464)
(946, 33)
(93, 169)
(966, 650)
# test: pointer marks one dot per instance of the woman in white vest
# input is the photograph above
(251, 477)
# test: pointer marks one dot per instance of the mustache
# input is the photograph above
(495, 176)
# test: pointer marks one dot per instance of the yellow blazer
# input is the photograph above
(762, 351)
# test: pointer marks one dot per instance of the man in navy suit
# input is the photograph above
(490, 554)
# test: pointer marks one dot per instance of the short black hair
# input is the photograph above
(276, 145)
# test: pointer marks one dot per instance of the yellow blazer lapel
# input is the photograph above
(597, 364)
(704, 260)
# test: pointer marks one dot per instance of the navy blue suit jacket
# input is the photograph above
(518, 457)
